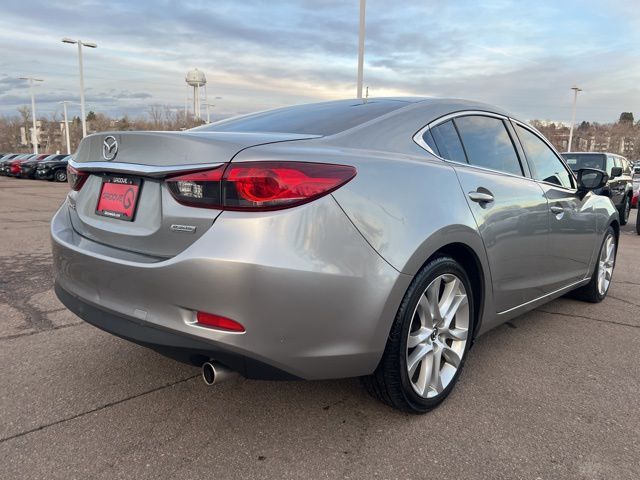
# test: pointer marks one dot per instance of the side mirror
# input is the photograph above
(591, 179)
(616, 172)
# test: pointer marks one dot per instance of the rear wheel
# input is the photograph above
(428, 341)
(625, 211)
(597, 288)
(61, 175)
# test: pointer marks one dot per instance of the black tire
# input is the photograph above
(625, 210)
(590, 292)
(638, 220)
(390, 382)
(60, 175)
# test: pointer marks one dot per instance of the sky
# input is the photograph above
(523, 56)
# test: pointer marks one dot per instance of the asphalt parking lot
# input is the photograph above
(552, 394)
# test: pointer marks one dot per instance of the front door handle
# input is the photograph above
(480, 197)
(556, 210)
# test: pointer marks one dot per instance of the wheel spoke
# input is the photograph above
(448, 297)
(459, 300)
(419, 336)
(426, 368)
(436, 382)
(416, 357)
(454, 333)
(433, 294)
(610, 250)
(425, 312)
(451, 356)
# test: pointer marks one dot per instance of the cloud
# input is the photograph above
(258, 54)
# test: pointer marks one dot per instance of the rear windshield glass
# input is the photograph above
(576, 161)
(316, 119)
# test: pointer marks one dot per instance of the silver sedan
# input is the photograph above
(348, 238)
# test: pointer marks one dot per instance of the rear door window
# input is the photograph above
(488, 144)
(448, 142)
(546, 165)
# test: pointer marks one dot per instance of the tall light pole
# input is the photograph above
(66, 125)
(363, 4)
(80, 44)
(34, 134)
(575, 89)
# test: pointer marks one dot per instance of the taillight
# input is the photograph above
(259, 185)
(76, 178)
(200, 189)
(216, 321)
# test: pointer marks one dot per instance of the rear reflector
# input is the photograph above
(259, 185)
(216, 321)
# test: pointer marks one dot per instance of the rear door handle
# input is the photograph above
(556, 210)
(480, 197)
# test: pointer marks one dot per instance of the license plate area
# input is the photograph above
(119, 197)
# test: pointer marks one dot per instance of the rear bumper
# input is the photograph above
(180, 346)
(316, 300)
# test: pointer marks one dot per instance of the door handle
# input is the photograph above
(556, 210)
(480, 197)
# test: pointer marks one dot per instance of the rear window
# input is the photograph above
(576, 161)
(315, 119)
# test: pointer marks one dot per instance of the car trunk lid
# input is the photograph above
(160, 226)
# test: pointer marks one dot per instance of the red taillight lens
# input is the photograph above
(216, 321)
(76, 178)
(273, 185)
(259, 185)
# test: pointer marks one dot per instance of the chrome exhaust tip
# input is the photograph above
(214, 373)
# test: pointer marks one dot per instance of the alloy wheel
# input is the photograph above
(605, 264)
(627, 209)
(438, 335)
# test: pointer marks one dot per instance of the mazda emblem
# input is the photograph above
(109, 147)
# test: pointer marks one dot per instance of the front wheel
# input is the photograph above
(598, 286)
(429, 339)
(626, 210)
(61, 175)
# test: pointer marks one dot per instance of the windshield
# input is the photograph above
(315, 119)
(585, 160)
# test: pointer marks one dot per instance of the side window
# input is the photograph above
(610, 163)
(428, 139)
(488, 144)
(547, 167)
(448, 142)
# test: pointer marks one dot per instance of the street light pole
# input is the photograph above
(573, 114)
(80, 44)
(66, 126)
(363, 4)
(34, 133)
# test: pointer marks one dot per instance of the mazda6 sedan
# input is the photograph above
(350, 238)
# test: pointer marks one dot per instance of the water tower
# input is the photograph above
(196, 79)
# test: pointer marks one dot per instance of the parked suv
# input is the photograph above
(620, 185)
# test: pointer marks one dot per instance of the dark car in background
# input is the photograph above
(53, 168)
(28, 168)
(620, 185)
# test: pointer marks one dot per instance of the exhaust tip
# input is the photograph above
(208, 373)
